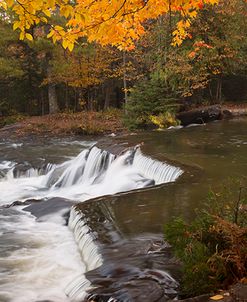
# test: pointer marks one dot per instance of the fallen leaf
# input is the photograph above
(244, 280)
(217, 297)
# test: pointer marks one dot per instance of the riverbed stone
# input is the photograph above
(200, 115)
(49, 206)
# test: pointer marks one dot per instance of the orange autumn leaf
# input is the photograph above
(217, 298)
(117, 23)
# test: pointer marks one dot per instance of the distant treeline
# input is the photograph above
(210, 67)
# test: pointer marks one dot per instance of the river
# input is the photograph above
(111, 246)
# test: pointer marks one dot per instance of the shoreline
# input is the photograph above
(110, 123)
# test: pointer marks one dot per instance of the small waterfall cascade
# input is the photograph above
(156, 170)
(102, 246)
(87, 241)
(132, 164)
(93, 173)
(96, 166)
(6, 165)
(13, 170)
(86, 167)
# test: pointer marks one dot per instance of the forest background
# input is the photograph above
(153, 80)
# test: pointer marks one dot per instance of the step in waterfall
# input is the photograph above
(91, 174)
(96, 233)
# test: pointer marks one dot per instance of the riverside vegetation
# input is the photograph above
(213, 248)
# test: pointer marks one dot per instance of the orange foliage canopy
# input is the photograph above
(114, 22)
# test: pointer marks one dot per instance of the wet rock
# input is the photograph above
(239, 292)
(226, 113)
(49, 206)
(134, 290)
(199, 116)
(21, 203)
(21, 169)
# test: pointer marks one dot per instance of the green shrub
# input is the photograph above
(150, 97)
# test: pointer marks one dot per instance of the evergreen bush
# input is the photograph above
(150, 98)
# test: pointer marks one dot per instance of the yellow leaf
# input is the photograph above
(65, 44)
(51, 3)
(244, 280)
(10, 3)
(29, 37)
(94, 18)
(16, 25)
(43, 19)
(47, 12)
(217, 297)
(71, 46)
(3, 5)
(22, 35)
(51, 33)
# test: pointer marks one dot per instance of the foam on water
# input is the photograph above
(6, 165)
(40, 258)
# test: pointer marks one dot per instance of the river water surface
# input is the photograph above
(41, 258)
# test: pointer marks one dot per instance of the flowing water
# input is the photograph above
(58, 244)
(39, 256)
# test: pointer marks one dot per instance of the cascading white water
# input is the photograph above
(85, 238)
(6, 165)
(92, 173)
(88, 246)
(156, 170)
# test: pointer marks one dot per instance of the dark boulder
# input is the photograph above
(200, 115)
(49, 206)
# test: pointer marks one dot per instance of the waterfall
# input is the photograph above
(95, 166)
(156, 170)
(93, 173)
(14, 170)
(92, 239)
(147, 172)
(86, 240)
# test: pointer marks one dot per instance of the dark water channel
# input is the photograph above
(129, 226)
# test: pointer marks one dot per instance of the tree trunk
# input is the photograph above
(125, 81)
(66, 97)
(52, 95)
(210, 93)
(42, 101)
(219, 90)
(107, 96)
